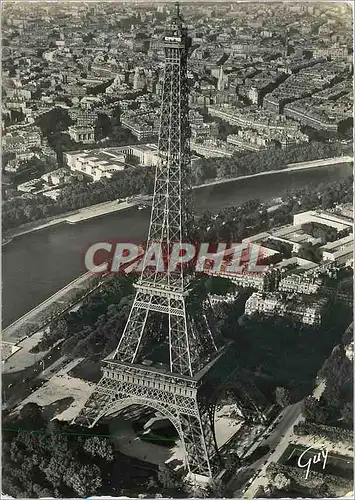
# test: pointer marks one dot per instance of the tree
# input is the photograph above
(152, 484)
(100, 447)
(337, 371)
(84, 480)
(313, 411)
(42, 492)
(310, 252)
(31, 416)
(282, 482)
(16, 452)
(282, 396)
(53, 463)
(232, 461)
(219, 286)
(280, 246)
(215, 489)
(56, 469)
(104, 126)
(116, 114)
(56, 120)
(167, 478)
(347, 414)
(58, 329)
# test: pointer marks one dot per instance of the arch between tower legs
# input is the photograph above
(193, 423)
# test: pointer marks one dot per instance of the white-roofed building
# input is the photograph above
(326, 218)
(341, 251)
(294, 235)
(97, 163)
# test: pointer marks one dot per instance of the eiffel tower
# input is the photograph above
(166, 308)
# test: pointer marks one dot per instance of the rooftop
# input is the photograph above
(335, 245)
(296, 265)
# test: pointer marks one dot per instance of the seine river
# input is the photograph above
(36, 265)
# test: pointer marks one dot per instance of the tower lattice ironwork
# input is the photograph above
(166, 308)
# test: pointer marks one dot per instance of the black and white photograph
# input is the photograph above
(177, 249)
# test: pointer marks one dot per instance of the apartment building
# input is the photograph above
(268, 304)
(253, 118)
(267, 279)
(327, 115)
(252, 140)
(142, 125)
(299, 281)
(306, 310)
(86, 135)
(212, 149)
(82, 117)
(19, 141)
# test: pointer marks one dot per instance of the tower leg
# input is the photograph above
(132, 336)
(199, 443)
(98, 404)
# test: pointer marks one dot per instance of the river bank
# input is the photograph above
(108, 207)
(290, 168)
(36, 318)
(70, 218)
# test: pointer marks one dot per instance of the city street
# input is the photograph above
(279, 440)
(19, 385)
